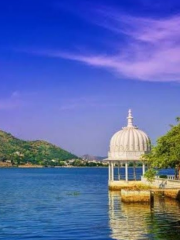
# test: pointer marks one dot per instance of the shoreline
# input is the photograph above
(39, 166)
(49, 167)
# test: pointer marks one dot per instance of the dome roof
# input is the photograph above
(129, 143)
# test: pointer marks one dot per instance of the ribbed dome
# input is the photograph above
(129, 143)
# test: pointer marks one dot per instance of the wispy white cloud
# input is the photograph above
(15, 100)
(81, 103)
(150, 50)
(15, 94)
(11, 102)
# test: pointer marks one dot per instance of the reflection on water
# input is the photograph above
(139, 221)
(127, 221)
(74, 204)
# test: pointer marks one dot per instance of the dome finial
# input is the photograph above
(130, 119)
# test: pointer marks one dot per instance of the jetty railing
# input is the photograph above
(131, 177)
(118, 177)
(169, 177)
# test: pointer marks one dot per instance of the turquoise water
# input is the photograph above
(75, 204)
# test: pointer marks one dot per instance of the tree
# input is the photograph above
(167, 151)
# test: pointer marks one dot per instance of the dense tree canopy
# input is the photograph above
(167, 151)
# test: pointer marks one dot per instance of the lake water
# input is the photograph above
(74, 204)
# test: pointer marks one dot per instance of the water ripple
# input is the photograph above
(75, 204)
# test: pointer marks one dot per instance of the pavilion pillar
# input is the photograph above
(126, 171)
(143, 168)
(134, 171)
(109, 171)
(119, 176)
(112, 171)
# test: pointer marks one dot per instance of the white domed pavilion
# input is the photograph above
(127, 146)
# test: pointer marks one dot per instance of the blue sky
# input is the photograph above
(70, 70)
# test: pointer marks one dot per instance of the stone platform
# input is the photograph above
(122, 184)
(142, 196)
(143, 191)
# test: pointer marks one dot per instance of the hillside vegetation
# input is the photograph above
(36, 152)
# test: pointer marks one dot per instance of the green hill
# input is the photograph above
(35, 152)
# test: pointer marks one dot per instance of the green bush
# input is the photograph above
(163, 176)
(150, 174)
